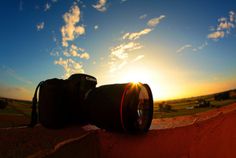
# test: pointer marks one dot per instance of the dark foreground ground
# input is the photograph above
(210, 134)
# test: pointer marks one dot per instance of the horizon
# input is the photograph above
(181, 49)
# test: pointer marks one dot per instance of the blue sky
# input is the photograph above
(180, 48)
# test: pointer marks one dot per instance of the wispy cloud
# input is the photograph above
(119, 55)
(216, 35)
(136, 35)
(120, 51)
(200, 47)
(224, 27)
(70, 66)
(40, 26)
(181, 49)
(155, 21)
(143, 16)
(95, 27)
(122, 1)
(47, 7)
(70, 30)
(101, 5)
(12, 73)
(232, 16)
(139, 57)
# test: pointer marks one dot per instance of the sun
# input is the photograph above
(136, 75)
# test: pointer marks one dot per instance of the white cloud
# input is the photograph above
(85, 55)
(70, 66)
(216, 35)
(181, 49)
(71, 31)
(65, 53)
(225, 25)
(154, 21)
(95, 27)
(232, 16)
(136, 35)
(101, 5)
(139, 57)
(73, 51)
(122, 1)
(143, 16)
(47, 7)
(200, 47)
(119, 55)
(40, 26)
(121, 51)
(54, 53)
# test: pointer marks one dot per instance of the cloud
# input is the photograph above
(73, 51)
(121, 51)
(101, 5)
(216, 35)
(56, 53)
(122, 1)
(70, 66)
(154, 21)
(40, 26)
(70, 30)
(85, 55)
(203, 45)
(119, 55)
(232, 16)
(181, 49)
(136, 35)
(47, 7)
(139, 57)
(143, 16)
(224, 26)
(95, 27)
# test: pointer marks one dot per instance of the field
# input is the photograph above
(189, 106)
(16, 113)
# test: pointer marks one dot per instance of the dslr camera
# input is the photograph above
(124, 107)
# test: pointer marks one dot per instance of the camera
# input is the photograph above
(124, 107)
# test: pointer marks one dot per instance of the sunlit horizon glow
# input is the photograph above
(180, 49)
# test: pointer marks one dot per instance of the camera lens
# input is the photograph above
(121, 107)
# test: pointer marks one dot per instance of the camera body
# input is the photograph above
(61, 102)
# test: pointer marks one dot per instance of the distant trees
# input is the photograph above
(222, 96)
(3, 104)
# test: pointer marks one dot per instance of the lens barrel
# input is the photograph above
(121, 107)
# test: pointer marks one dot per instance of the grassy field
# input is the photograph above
(188, 106)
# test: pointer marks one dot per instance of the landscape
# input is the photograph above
(90, 141)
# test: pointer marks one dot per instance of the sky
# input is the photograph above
(181, 48)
